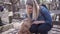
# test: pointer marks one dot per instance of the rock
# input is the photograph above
(10, 31)
(1, 29)
(16, 25)
(6, 27)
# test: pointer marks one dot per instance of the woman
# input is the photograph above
(42, 21)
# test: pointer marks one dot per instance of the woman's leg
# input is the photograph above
(44, 33)
(44, 28)
(33, 28)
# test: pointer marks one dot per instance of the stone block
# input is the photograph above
(7, 27)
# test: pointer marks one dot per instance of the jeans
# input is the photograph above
(40, 28)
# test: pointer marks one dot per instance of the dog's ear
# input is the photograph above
(27, 19)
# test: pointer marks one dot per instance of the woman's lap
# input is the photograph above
(44, 28)
(39, 28)
(33, 28)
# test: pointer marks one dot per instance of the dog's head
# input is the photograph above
(27, 20)
(25, 25)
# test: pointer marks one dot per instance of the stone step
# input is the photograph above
(15, 25)
(6, 27)
(10, 31)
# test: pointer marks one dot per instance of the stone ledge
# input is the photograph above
(6, 27)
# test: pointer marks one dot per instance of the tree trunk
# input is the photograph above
(14, 7)
(59, 9)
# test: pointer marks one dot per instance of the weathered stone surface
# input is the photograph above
(1, 29)
(5, 17)
(10, 31)
(6, 27)
(16, 25)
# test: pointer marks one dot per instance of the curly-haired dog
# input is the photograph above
(25, 25)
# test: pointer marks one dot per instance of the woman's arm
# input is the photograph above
(46, 15)
(38, 22)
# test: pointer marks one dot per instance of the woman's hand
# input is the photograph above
(38, 22)
(35, 22)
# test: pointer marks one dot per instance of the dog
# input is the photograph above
(25, 25)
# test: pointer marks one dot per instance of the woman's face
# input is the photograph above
(29, 8)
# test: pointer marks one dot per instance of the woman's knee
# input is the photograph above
(44, 28)
(33, 28)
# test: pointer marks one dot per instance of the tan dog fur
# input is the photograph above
(24, 28)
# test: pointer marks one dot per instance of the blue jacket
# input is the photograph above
(44, 15)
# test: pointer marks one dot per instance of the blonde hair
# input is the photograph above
(35, 10)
